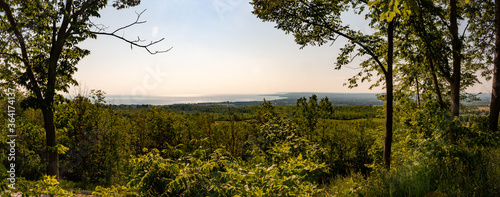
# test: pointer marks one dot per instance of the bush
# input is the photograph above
(48, 185)
(281, 165)
(425, 163)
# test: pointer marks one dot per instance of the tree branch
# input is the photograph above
(426, 39)
(335, 39)
(99, 27)
(131, 42)
(22, 46)
(352, 58)
(83, 8)
(12, 55)
(445, 73)
(465, 29)
(134, 42)
(355, 41)
(136, 22)
(55, 53)
(355, 68)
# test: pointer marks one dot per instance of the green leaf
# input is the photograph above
(61, 149)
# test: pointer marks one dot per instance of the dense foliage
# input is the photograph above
(108, 145)
(263, 150)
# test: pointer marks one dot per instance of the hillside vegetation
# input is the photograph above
(311, 149)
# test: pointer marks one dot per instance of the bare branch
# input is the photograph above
(101, 28)
(350, 61)
(335, 39)
(353, 68)
(137, 22)
(135, 42)
(465, 29)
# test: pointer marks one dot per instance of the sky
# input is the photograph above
(218, 47)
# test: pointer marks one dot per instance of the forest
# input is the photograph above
(310, 149)
(425, 140)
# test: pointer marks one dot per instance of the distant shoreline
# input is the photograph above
(245, 99)
(280, 98)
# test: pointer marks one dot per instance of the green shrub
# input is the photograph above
(48, 186)
(282, 164)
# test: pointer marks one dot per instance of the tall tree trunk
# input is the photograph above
(50, 133)
(495, 92)
(435, 80)
(390, 98)
(455, 85)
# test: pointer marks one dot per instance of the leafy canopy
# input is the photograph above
(39, 41)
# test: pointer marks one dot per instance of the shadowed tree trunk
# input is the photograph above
(50, 134)
(435, 81)
(390, 98)
(495, 92)
(455, 80)
(428, 38)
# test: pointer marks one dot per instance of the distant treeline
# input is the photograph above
(220, 112)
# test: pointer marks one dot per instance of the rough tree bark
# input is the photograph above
(390, 98)
(495, 92)
(435, 81)
(50, 134)
(455, 81)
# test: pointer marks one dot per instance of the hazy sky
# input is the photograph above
(219, 47)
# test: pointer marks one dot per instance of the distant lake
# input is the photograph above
(291, 97)
(288, 98)
(187, 99)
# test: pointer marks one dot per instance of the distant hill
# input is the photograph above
(342, 99)
(485, 99)
(290, 99)
(279, 99)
